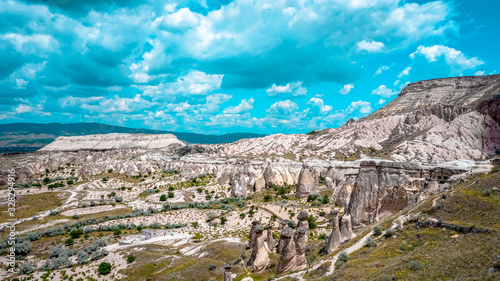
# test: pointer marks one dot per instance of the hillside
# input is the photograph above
(432, 121)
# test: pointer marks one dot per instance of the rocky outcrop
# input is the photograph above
(251, 242)
(300, 238)
(288, 252)
(270, 239)
(227, 272)
(259, 250)
(307, 183)
(113, 141)
(383, 189)
(334, 240)
(346, 228)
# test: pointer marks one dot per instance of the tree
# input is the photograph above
(170, 195)
(104, 268)
(69, 241)
(163, 197)
(130, 259)
(46, 180)
(267, 198)
(223, 220)
(312, 222)
(75, 233)
(326, 199)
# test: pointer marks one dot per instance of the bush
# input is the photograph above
(26, 268)
(370, 242)
(50, 232)
(53, 212)
(155, 225)
(88, 229)
(163, 197)
(326, 200)
(117, 232)
(33, 236)
(212, 266)
(118, 199)
(291, 223)
(223, 220)
(267, 198)
(377, 230)
(104, 268)
(75, 216)
(170, 195)
(82, 257)
(487, 192)
(344, 257)
(23, 248)
(69, 241)
(415, 265)
(130, 259)
(75, 233)
(388, 233)
(312, 222)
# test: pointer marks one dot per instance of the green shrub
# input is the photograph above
(267, 198)
(212, 266)
(487, 192)
(117, 232)
(69, 241)
(163, 197)
(326, 199)
(370, 242)
(377, 230)
(75, 233)
(415, 265)
(130, 259)
(388, 233)
(312, 222)
(104, 268)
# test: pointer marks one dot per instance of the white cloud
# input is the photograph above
(244, 106)
(451, 56)
(346, 89)
(295, 89)
(383, 91)
(380, 69)
(363, 107)
(479, 73)
(405, 72)
(38, 44)
(371, 47)
(194, 83)
(181, 19)
(283, 107)
(381, 101)
(319, 103)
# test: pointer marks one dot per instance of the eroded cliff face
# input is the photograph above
(432, 121)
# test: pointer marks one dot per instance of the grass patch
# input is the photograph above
(30, 205)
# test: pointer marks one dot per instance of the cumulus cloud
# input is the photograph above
(244, 106)
(283, 107)
(346, 89)
(381, 101)
(362, 107)
(295, 89)
(319, 103)
(371, 47)
(383, 91)
(451, 56)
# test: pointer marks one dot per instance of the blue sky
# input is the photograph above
(221, 66)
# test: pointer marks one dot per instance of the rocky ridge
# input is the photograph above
(113, 141)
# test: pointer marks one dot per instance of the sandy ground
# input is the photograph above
(91, 210)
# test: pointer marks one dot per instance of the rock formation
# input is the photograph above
(346, 228)
(259, 251)
(302, 217)
(334, 241)
(288, 252)
(307, 183)
(227, 272)
(300, 239)
(112, 141)
(270, 239)
(252, 233)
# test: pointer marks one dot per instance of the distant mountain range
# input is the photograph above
(18, 137)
